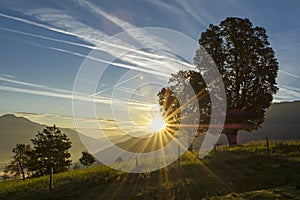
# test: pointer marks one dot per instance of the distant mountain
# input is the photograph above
(282, 123)
(15, 130)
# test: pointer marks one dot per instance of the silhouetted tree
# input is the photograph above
(178, 101)
(248, 66)
(18, 166)
(50, 150)
(119, 159)
(76, 166)
(87, 159)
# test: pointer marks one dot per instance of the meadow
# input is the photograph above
(241, 172)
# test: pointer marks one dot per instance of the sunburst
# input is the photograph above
(158, 124)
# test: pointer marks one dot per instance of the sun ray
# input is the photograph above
(178, 110)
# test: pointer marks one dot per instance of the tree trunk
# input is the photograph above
(232, 137)
(22, 170)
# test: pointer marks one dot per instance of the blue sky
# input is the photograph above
(43, 44)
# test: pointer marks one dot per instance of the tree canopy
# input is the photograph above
(50, 150)
(18, 165)
(248, 66)
(87, 159)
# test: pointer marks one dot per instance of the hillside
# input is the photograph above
(282, 122)
(285, 192)
(242, 172)
(15, 130)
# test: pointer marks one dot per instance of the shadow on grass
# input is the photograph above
(225, 172)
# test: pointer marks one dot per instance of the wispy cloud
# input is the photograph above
(108, 127)
(141, 36)
(65, 24)
(122, 65)
(287, 93)
(51, 28)
(13, 80)
(7, 75)
(289, 74)
(48, 38)
(142, 61)
(42, 90)
(201, 16)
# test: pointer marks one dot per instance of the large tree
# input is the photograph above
(18, 165)
(248, 66)
(50, 150)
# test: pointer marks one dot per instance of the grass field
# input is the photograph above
(242, 172)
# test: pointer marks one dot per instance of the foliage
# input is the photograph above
(181, 102)
(249, 68)
(17, 167)
(87, 159)
(50, 150)
(179, 98)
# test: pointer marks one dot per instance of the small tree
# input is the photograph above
(76, 166)
(87, 159)
(18, 165)
(50, 150)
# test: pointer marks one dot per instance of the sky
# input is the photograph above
(44, 45)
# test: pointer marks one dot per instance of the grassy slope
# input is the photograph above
(284, 192)
(239, 172)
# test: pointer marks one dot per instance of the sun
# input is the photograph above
(158, 123)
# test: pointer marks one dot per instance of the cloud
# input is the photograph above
(287, 47)
(201, 16)
(142, 61)
(108, 126)
(42, 90)
(289, 74)
(48, 38)
(7, 75)
(34, 85)
(114, 47)
(165, 5)
(122, 65)
(67, 24)
(287, 93)
(36, 24)
(139, 59)
(141, 36)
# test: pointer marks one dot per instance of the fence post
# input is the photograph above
(267, 146)
(178, 156)
(216, 153)
(51, 179)
(136, 165)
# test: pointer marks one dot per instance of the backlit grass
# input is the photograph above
(238, 172)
